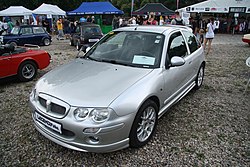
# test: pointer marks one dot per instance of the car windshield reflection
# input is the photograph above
(137, 49)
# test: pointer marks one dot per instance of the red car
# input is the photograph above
(22, 61)
(246, 38)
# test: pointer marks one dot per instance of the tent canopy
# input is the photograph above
(15, 11)
(153, 7)
(219, 6)
(95, 8)
(49, 9)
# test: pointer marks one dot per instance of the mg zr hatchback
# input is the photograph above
(112, 97)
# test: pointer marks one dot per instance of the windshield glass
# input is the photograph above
(138, 49)
(15, 30)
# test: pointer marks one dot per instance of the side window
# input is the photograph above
(193, 44)
(176, 45)
(26, 31)
(38, 30)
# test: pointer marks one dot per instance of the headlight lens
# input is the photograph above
(100, 115)
(80, 114)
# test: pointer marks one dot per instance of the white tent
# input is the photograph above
(15, 11)
(219, 6)
(48, 9)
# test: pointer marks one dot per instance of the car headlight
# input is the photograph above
(100, 115)
(81, 114)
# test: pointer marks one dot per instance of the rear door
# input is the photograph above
(195, 51)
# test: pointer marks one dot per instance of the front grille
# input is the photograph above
(42, 102)
(57, 109)
(54, 108)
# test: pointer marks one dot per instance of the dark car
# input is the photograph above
(27, 34)
(85, 35)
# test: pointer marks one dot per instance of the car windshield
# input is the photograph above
(139, 49)
(15, 30)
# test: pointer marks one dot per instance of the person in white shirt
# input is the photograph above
(209, 36)
(217, 25)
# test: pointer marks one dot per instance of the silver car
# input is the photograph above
(112, 97)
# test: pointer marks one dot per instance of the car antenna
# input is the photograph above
(136, 28)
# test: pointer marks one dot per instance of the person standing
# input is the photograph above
(83, 20)
(217, 25)
(209, 36)
(59, 25)
(10, 26)
(177, 20)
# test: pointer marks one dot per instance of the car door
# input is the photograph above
(26, 36)
(5, 65)
(176, 78)
(195, 51)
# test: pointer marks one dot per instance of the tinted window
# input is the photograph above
(177, 46)
(91, 30)
(192, 41)
(26, 30)
(38, 30)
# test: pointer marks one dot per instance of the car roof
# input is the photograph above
(154, 28)
(30, 26)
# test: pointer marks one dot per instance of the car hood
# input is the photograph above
(89, 83)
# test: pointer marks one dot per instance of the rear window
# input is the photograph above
(38, 30)
(91, 30)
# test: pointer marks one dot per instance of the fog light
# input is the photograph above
(91, 130)
(93, 139)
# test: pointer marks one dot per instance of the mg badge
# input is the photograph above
(48, 105)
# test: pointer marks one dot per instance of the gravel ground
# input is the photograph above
(209, 127)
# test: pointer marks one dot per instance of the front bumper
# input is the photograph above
(112, 135)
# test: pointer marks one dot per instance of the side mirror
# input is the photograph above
(177, 61)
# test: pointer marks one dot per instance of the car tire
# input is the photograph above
(13, 43)
(200, 77)
(46, 42)
(144, 124)
(78, 45)
(27, 71)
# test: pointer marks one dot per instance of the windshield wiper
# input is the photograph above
(115, 62)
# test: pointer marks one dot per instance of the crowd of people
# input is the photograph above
(7, 25)
(150, 19)
(204, 29)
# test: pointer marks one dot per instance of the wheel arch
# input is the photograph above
(27, 60)
(8, 42)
